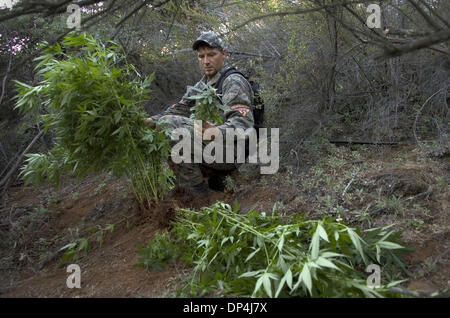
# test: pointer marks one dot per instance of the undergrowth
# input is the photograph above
(260, 254)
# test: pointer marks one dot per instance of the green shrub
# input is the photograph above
(92, 99)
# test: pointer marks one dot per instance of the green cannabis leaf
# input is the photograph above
(208, 106)
(262, 255)
(91, 98)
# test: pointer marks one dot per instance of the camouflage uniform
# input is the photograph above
(235, 91)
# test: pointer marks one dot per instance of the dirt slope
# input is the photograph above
(384, 186)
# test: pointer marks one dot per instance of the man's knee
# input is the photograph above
(176, 121)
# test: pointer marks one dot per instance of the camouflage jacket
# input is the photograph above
(237, 97)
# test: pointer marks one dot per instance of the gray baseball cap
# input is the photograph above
(209, 38)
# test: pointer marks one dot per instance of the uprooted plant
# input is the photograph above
(262, 255)
(91, 98)
(208, 106)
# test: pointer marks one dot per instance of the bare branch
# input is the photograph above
(136, 9)
(435, 13)
(171, 24)
(436, 38)
(8, 68)
(407, 32)
(421, 108)
(427, 18)
(433, 48)
(27, 7)
(294, 12)
(5, 180)
(84, 21)
(185, 50)
(252, 54)
(374, 35)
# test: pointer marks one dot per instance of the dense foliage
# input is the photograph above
(91, 98)
(260, 255)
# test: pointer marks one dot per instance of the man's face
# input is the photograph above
(210, 59)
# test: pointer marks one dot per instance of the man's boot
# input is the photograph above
(201, 189)
(194, 197)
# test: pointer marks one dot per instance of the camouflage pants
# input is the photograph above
(190, 174)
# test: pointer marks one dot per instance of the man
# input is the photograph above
(237, 97)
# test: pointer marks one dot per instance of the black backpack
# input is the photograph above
(258, 110)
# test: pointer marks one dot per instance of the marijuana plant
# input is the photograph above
(208, 106)
(260, 254)
(91, 98)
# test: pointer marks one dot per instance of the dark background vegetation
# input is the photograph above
(323, 72)
(325, 77)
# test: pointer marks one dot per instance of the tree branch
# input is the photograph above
(8, 68)
(427, 18)
(420, 111)
(5, 180)
(137, 8)
(27, 7)
(435, 38)
(435, 13)
(298, 11)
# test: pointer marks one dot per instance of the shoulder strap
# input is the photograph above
(223, 76)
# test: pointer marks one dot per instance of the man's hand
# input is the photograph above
(199, 131)
(150, 122)
(242, 109)
(207, 125)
